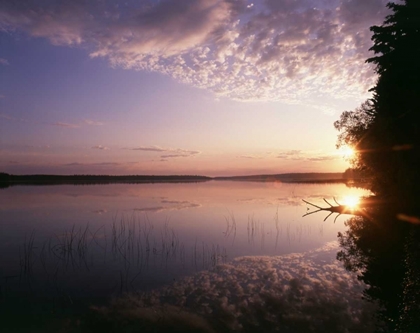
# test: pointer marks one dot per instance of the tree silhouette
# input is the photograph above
(385, 255)
(386, 130)
(353, 127)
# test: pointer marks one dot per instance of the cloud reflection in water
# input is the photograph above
(308, 292)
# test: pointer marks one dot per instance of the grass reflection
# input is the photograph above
(134, 246)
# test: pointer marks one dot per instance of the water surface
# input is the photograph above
(64, 244)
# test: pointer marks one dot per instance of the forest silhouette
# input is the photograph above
(385, 130)
(385, 254)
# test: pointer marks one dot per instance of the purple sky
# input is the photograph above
(213, 87)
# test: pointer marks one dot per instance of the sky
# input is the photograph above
(206, 87)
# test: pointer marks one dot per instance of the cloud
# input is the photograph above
(290, 155)
(85, 122)
(177, 152)
(58, 123)
(93, 123)
(323, 158)
(8, 117)
(298, 155)
(293, 51)
(4, 62)
(252, 157)
(74, 164)
(174, 156)
(77, 164)
(38, 147)
(5, 116)
(100, 147)
(67, 125)
(152, 148)
(107, 164)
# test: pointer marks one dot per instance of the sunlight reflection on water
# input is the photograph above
(351, 201)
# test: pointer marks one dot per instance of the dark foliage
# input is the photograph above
(4, 176)
(386, 129)
(384, 252)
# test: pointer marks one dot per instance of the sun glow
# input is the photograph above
(351, 201)
(347, 151)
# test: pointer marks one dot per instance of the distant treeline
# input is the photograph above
(7, 180)
(291, 178)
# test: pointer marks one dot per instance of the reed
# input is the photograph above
(27, 255)
(133, 244)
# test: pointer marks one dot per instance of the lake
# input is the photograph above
(224, 255)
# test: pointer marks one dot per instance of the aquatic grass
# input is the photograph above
(288, 232)
(72, 247)
(230, 226)
(253, 228)
(133, 244)
(26, 256)
(279, 229)
(134, 240)
(262, 235)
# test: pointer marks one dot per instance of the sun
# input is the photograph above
(351, 201)
(347, 151)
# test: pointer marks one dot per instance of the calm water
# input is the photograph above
(215, 247)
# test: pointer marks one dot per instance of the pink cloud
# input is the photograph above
(100, 147)
(67, 125)
(294, 51)
(93, 123)
(175, 152)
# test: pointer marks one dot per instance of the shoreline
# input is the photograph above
(7, 180)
